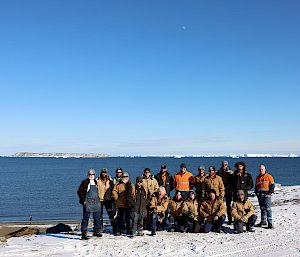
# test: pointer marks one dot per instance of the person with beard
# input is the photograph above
(183, 181)
(138, 198)
(243, 213)
(158, 206)
(119, 194)
(118, 177)
(190, 212)
(212, 211)
(149, 181)
(227, 175)
(213, 181)
(105, 186)
(165, 179)
(199, 184)
(176, 211)
(241, 180)
(89, 198)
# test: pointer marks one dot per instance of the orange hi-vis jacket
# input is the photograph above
(264, 184)
(184, 182)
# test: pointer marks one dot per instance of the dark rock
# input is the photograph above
(59, 228)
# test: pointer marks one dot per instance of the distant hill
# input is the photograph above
(61, 155)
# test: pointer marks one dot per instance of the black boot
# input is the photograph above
(84, 235)
(97, 232)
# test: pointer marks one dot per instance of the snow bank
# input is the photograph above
(284, 240)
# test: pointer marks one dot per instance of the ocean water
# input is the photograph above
(45, 188)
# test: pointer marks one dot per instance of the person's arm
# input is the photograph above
(114, 193)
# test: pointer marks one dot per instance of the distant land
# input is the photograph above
(99, 155)
(61, 155)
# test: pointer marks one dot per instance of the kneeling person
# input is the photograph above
(190, 212)
(243, 213)
(213, 212)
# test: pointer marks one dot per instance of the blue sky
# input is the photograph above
(150, 77)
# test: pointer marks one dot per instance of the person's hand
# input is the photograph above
(244, 219)
(84, 203)
(216, 218)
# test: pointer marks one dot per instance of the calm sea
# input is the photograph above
(45, 188)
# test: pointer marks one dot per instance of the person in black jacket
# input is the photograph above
(89, 198)
(242, 180)
(165, 179)
(138, 198)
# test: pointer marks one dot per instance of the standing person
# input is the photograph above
(158, 205)
(119, 193)
(118, 177)
(213, 181)
(183, 181)
(213, 212)
(199, 184)
(190, 212)
(165, 179)
(149, 181)
(227, 175)
(138, 198)
(264, 188)
(241, 180)
(89, 198)
(105, 187)
(243, 213)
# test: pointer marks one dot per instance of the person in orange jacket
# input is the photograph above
(184, 181)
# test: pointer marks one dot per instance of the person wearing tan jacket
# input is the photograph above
(213, 181)
(105, 187)
(190, 213)
(176, 204)
(149, 181)
(158, 206)
(199, 184)
(243, 213)
(119, 194)
(213, 212)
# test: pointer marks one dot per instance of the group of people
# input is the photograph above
(200, 203)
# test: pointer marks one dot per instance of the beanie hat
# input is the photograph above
(182, 165)
(139, 179)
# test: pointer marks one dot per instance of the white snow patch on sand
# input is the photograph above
(284, 240)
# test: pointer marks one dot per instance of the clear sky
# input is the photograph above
(150, 77)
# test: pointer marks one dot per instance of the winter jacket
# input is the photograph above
(183, 181)
(150, 184)
(159, 207)
(209, 210)
(264, 184)
(82, 190)
(105, 189)
(199, 185)
(138, 198)
(190, 208)
(120, 192)
(242, 209)
(227, 178)
(168, 183)
(215, 183)
(176, 207)
(243, 182)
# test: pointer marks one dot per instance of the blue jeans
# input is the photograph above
(121, 213)
(265, 207)
(86, 217)
(165, 224)
(215, 225)
(137, 221)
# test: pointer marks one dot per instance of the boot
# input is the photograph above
(84, 235)
(270, 226)
(97, 232)
(153, 232)
(262, 223)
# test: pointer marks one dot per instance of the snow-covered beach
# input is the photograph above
(284, 240)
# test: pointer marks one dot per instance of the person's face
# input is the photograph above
(178, 196)
(147, 174)
(125, 179)
(163, 171)
(183, 170)
(119, 173)
(240, 167)
(225, 165)
(212, 196)
(160, 194)
(91, 175)
(138, 183)
(211, 171)
(241, 197)
(201, 171)
(104, 174)
(192, 196)
(262, 170)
